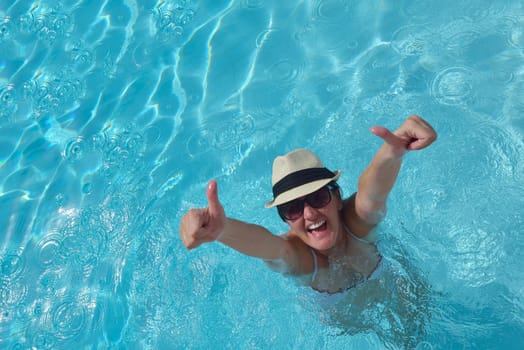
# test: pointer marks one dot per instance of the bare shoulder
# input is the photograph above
(303, 257)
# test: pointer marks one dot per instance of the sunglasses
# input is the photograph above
(295, 209)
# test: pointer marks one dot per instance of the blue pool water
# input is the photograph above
(115, 114)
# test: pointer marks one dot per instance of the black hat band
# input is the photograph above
(299, 178)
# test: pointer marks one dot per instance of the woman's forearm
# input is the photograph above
(376, 182)
(379, 177)
(253, 240)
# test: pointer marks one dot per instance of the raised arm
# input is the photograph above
(367, 207)
(210, 224)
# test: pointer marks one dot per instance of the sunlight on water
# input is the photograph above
(114, 115)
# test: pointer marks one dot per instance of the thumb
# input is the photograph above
(215, 208)
(388, 136)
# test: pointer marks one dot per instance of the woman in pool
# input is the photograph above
(326, 242)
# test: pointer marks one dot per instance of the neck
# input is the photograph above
(341, 241)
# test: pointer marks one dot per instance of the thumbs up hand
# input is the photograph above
(206, 224)
(414, 134)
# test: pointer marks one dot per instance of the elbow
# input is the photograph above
(371, 211)
(375, 217)
(284, 259)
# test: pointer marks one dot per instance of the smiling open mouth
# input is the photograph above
(317, 227)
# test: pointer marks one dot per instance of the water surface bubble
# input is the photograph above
(87, 188)
(76, 149)
(6, 29)
(25, 23)
(61, 22)
(285, 71)
(133, 142)
(262, 37)
(7, 96)
(197, 145)
(171, 30)
(7, 101)
(170, 23)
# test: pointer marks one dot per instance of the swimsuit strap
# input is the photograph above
(348, 231)
(315, 265)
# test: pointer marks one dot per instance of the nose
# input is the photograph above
(309, 211)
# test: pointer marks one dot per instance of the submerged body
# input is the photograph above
(356, 261)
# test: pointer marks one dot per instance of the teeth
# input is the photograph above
(317, 225)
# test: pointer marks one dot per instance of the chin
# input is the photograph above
(324, 243)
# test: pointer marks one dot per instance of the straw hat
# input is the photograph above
(296, 174)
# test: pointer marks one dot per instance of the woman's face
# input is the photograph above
(320, 228)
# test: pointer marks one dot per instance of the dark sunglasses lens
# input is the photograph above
(292, 210)
(319, 198)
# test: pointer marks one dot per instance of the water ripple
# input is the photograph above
(76, 149)
(476, 254)
(502, 156)
(459, 39)
(68, 319)
(83, 249)
(253, 4)
(6, 29)
(514, 103)
(8, 103)
(411, 40)
(515, 28)
(7, 318)
(226, 130)
(454, 86)
(49, 282)
(332, 10)
(81, 57)
(11, 266)
(419, 11)
(12, 294)
(172, 19)
(53, 94)
(48, 249)
(285, 71)
(42, 340)
(49, 24)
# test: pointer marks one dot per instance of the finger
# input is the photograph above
(191, 230)
(215, 208)
(422, 142)
(388, 136)
(423, 134)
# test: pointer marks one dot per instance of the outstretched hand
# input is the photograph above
(414, 134)
(204, 225)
